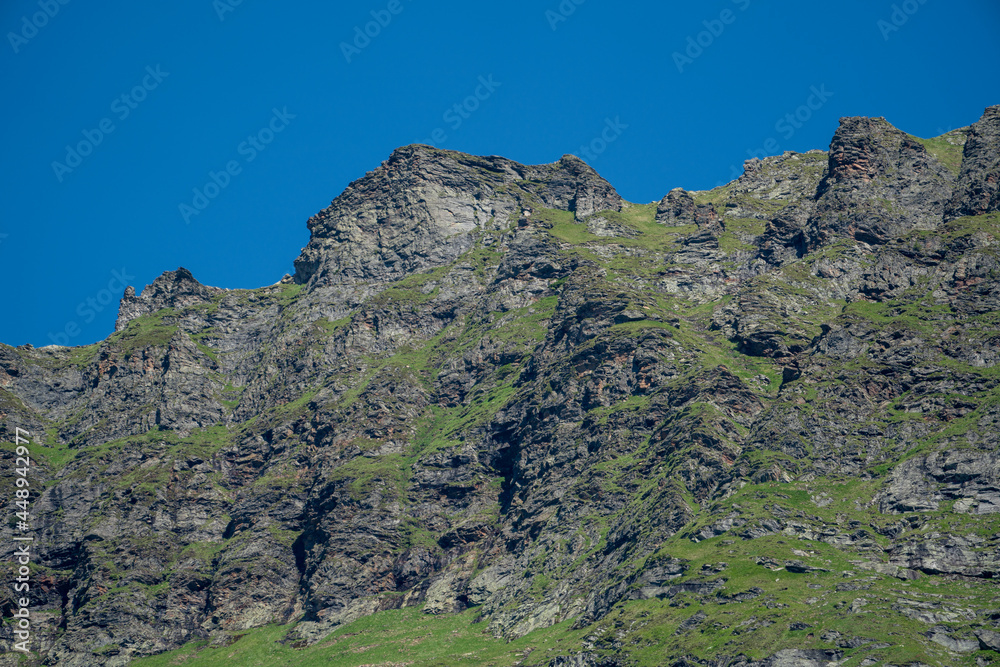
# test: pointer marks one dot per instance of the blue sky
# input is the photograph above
(153, 99)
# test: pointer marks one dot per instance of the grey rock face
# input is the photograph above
(989, 640)
(422, 208)
(939, 635)
(881, 183)
(978, 188)
(972, 479)
(804, 658)
(584, 660)
(939, 554)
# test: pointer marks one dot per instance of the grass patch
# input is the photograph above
(394, 637)
(153, 330)
(363, 473)
(563, 226)
(946, 152)
(923, 316)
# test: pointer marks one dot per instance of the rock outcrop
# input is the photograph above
(978, 190)
(497, 403)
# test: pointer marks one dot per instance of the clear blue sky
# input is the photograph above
(556, 78)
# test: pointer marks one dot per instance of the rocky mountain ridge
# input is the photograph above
(499, 400)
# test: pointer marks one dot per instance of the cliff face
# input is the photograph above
(751, 426)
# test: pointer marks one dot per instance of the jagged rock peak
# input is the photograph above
(420, 208)
(880, 183)
(978, 189)
(173, 289)
(573, 185)
(865, 148)
(678, 208)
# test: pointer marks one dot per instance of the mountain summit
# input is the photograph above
(501, 416)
